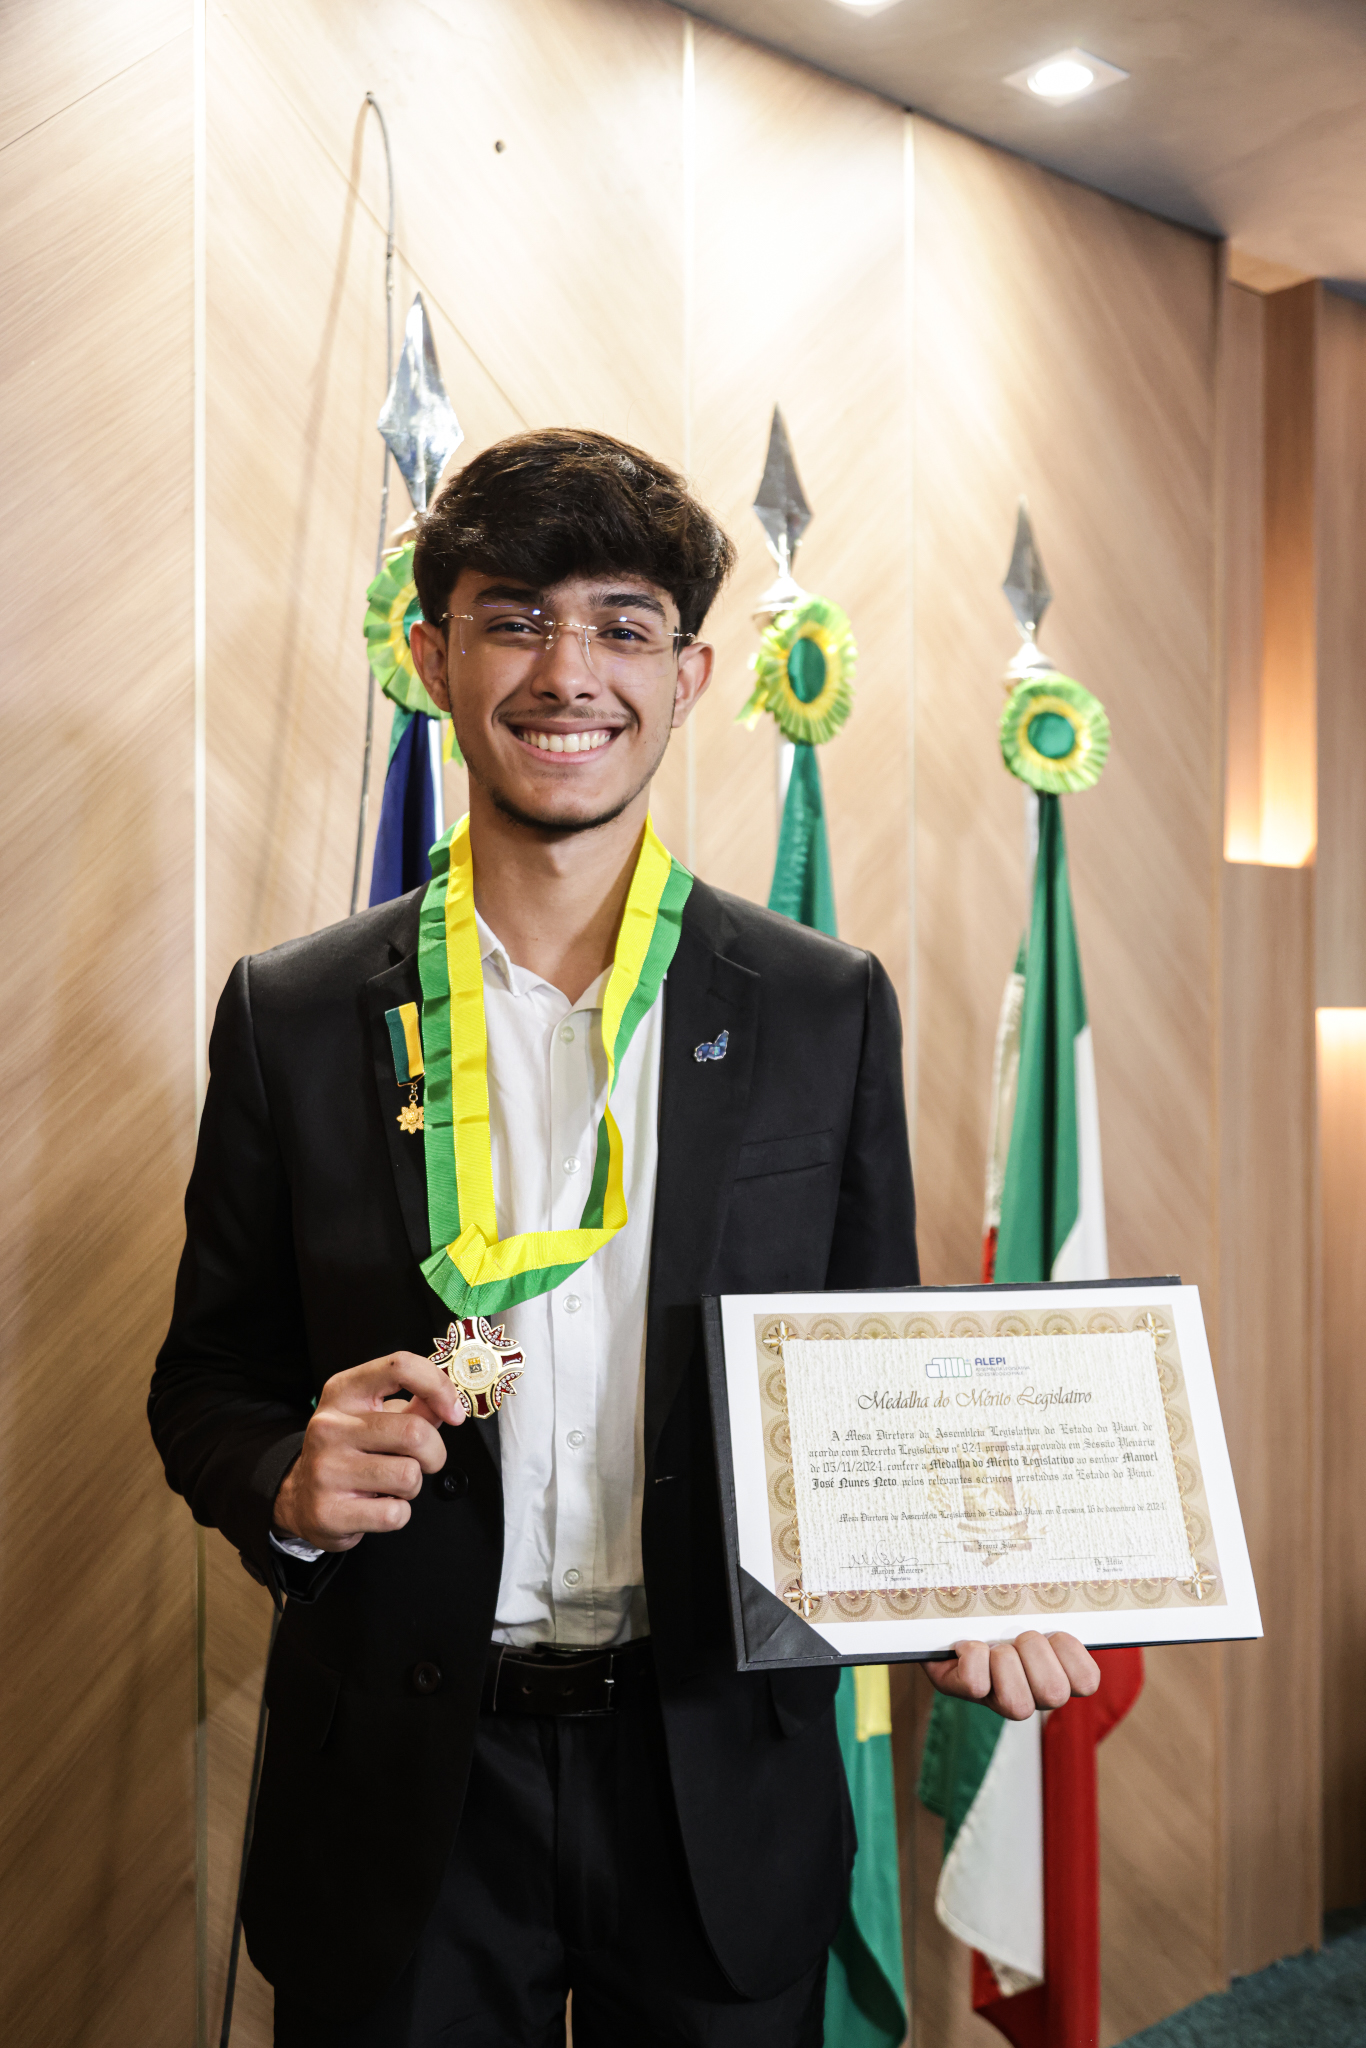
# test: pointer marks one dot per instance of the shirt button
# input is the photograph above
(574, 1439)
(567, 1033)
(570, 1165)
(571, 1577)
(572, 1304)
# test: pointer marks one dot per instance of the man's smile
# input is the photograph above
(566, 740)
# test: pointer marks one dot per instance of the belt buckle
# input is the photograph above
(596, 1713)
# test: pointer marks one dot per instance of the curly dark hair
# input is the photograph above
(563, 502)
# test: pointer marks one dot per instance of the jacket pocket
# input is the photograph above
(802, 1696)
(301, 1693)
(785, 1155)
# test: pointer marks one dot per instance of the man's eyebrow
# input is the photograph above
(623, 600)
(509, 593)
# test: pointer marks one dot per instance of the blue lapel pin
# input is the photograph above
(711, 1049)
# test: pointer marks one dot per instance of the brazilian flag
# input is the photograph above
(865, 1997)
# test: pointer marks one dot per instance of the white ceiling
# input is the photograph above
(1244, 118)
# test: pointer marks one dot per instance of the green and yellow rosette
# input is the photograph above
(1054, 735)
(393, 607)
(804, 673)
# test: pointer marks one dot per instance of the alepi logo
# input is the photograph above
(948, 1368)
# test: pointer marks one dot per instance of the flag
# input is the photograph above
(1020, 1879)
(865, 1991)
(802, 885)
(1053, 1202)
(865, 1995)
(411, 812)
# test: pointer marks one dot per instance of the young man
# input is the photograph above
(509, 1753)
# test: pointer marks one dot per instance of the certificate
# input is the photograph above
(899, 1471)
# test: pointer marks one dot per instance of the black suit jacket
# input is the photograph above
(784, 1165)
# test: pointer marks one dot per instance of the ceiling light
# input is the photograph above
(1067, 75)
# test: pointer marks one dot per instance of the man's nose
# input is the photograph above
(565, 666)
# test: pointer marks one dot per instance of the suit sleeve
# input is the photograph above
(874, 1238)
(231, 1392)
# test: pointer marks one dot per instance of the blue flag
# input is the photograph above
(410, 815)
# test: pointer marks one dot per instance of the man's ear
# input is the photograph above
(694, 673)
(428, 645)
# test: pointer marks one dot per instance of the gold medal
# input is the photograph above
(479, 1362)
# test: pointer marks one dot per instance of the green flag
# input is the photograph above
(865, 1998)
(865, 1992)
(802, 888)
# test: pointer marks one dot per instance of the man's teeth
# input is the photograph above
(567, 742)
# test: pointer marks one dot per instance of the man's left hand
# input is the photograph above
(1014, 1679)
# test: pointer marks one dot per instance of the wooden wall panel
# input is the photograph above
(1065, 350)
(1340, 885)
(802, 180)
(1241, 544)
(1289, 626)
(1269, 1392)
(96, 1021)
(1340, 975)
(1342, 1154)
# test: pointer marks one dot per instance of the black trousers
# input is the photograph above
(568, 1875)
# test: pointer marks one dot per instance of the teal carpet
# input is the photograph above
(1308, 2001)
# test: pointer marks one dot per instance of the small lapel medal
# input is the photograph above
(711, 1049)
(479, 1362)
(405, 1038)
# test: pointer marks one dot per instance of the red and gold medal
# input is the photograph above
(479, 1362)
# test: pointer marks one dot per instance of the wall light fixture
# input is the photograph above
(1066, 75)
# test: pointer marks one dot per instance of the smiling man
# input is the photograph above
(509, 1754)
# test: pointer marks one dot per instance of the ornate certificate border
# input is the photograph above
(1204, 1588)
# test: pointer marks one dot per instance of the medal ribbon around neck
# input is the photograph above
(474, 1271)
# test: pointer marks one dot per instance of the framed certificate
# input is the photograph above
(901, 1470)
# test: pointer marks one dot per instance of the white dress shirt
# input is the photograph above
(571, 1428)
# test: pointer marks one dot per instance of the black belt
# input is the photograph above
(548, 1680)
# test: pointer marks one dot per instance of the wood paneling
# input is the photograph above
(96, 1022)
(1289, 765)
(791, 162)
(1342, 1153)
(1340, 885)
(1065, 350)
(1241, 544)
(1268, 1388)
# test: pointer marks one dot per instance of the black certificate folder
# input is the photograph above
(900, 1471)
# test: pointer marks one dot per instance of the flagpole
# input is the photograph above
(371, 101)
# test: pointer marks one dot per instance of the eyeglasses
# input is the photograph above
(617, 646)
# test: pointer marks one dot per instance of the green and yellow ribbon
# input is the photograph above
(405, 1039)
(1054, 734)
(392, 609)
(474, 1271)
(804, 673)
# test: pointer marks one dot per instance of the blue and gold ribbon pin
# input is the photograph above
(405, 1037)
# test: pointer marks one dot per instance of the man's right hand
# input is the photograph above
(365, 1451)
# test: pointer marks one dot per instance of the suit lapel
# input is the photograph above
(401, 983)
(701, 1125)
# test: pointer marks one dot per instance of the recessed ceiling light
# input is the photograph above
(866, 6)
(1067, 75)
